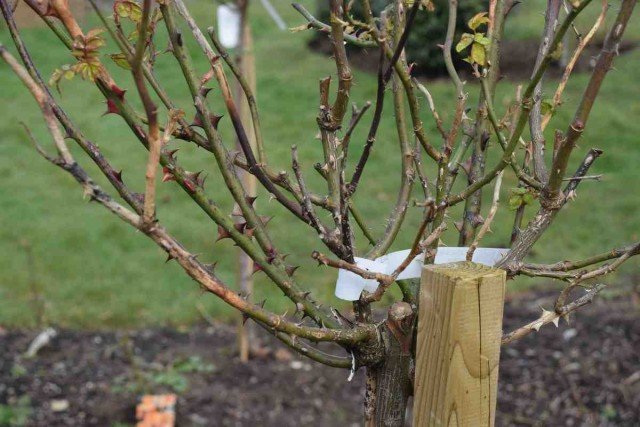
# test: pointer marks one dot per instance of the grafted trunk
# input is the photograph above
(389, 384)
(393, 387)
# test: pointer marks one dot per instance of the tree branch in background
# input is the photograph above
(187, 260)
(150, 110)
(486, 225)
(582, 44)
(535, 116)
(321, 26)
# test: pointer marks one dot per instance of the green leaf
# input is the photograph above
(88, 70)
(120, 60)
(480, 38)
(515, 201)
(557, 53)
(134, 35)
(546, 106)
(478, 54)
(465, 40)
(477, 20)
(193, 364)
(528, 198)
(68, 73)
(519, 190)
(129, 9)
(65, 72)
(173, 379)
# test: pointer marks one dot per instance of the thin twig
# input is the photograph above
(308, 350)
(601, 271)
(321, 26)
(576, 128)
(418, 247)
(522, 112)
(151, 112)
(307, 205)
(535, 115)
(575, 265)
(407, 178)
(432, 108)
(248, 93)
(41, 98)
(582, 44)
(552, 316)
(486, 226)
(586, 177)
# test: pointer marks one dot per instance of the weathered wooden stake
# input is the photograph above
(458, 345)
(246, 63)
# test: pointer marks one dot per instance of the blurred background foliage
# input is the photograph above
(428, 25)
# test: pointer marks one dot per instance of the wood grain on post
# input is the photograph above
(458, 345)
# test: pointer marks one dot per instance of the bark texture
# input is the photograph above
(392, 378)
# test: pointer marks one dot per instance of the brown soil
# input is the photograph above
(585, 373)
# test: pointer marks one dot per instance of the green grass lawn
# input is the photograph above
(94, 271)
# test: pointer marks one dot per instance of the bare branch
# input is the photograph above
(306, 200)
(151, 111)
(41, 98)
(255, 168)
(356, 116)
(446, 50)
(552, 316)
(248, 93)
(419, 246)
(522, 112)
(582, 44)
(308, 350)
(601, 271)
(486, 226)
(187, 260)
(575, 265)
(407, 169)
(575, 130)
(339, 107)
(321, 26)
(432, 107)
(535, 116)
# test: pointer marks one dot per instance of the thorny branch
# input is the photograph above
(552, 316)
(187, 261)
(466, 142)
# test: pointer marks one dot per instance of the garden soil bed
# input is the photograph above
(584, 373)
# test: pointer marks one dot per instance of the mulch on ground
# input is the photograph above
(585, 373)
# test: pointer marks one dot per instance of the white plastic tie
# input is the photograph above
(349, 285)
(228, 17)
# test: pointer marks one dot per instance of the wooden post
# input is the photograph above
(458, 345)
(246, 63)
